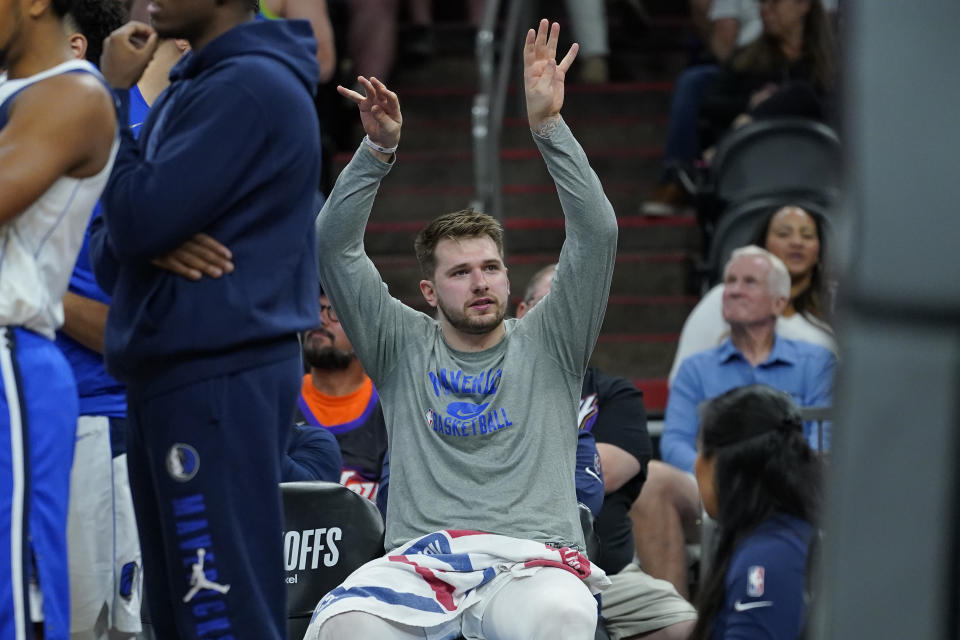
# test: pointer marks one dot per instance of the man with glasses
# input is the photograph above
(338, 396)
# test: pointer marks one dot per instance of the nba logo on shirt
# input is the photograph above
(755, 582)
(429, 416)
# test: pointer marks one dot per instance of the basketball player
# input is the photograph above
(58, 138)
(481, 412)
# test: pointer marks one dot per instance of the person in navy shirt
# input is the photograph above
(761, 481)
(756, 290)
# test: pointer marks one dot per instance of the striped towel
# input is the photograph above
(432, 579)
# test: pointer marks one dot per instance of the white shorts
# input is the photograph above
(102, 543)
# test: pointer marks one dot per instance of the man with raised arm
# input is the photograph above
(58, 139)
(481, 412)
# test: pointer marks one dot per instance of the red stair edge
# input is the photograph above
(655, 393)
(401, 226)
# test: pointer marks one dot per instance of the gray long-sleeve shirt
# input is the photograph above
(479, 441)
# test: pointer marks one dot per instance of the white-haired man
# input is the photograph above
(756, 291)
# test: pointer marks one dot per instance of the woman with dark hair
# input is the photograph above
(793, 235)
(760, 480)
(788, 71)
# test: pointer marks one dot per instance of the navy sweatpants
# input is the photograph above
(38, 425)
(204, 466)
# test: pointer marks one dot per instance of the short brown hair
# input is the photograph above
(465, 223)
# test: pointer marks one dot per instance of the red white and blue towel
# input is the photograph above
(433, 579)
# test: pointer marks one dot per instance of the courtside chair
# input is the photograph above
(329, 531)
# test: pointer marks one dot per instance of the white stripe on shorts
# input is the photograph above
(16, 508)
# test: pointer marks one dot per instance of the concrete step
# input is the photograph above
(641, 280)
(452, 133)
(616, 99)
(626, 315)
(518, 166)
(636, 355)
(536, 235)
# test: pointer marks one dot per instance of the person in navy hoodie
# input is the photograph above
(211, 361)
(760, 480)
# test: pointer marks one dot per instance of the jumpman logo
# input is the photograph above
(199, 581)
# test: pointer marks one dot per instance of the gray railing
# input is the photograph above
(818, 415)
(493, 79)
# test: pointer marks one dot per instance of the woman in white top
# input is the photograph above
(793, 235)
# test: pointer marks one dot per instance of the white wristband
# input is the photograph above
(373, 145)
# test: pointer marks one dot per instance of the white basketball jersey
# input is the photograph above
(39, 247)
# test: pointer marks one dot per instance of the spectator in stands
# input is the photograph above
(787, 71)
(735, 24)
(762, 483)
(338, 397)
(587, 18)
(481, 410)
(611, 409)
(794, 236)
(419, 41)
(756, 290)
(589, 22)
(315, 12)
(372, 37)
(312, 454)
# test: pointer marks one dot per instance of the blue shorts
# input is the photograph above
(38, 422)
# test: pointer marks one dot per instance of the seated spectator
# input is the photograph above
(761, 481)
(734, 23)
(312, 454)
(612, 411)
(338, 396)
(793, 235)
(787, 71)
(756, 291)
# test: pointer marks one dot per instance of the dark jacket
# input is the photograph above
(798, 94)
(230, 149)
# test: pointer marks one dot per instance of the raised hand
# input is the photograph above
(379, 111)
(126, 53)
(543, 77)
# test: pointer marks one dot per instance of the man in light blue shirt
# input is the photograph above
(756, 291)
(803, 370)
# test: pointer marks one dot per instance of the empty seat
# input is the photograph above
(792, 156)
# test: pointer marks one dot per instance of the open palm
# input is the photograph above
(379, 111)
(543, 77)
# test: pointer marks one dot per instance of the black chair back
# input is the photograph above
(329, 531)
(777, 156)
